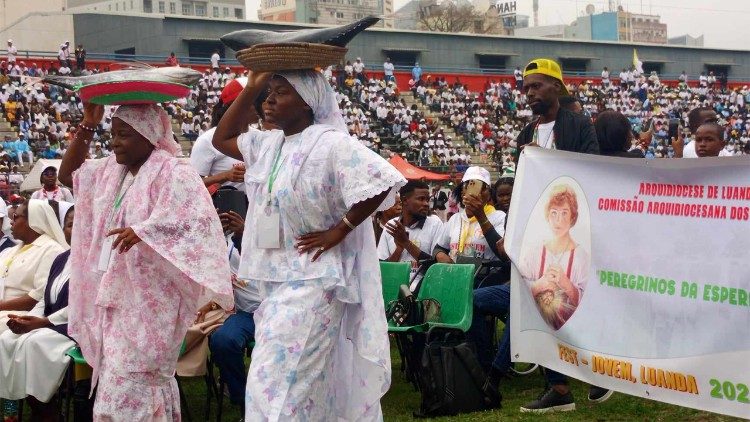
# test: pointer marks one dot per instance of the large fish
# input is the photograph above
(338, 36)
(173, 75)
(135, 85)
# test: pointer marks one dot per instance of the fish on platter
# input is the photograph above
(337, 36)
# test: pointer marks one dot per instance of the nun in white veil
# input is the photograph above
(25, 267)
(321, 350)
(32, 352)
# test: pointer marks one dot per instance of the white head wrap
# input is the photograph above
(42, 220)
(316, 92)
(63, 208)
(152, 122)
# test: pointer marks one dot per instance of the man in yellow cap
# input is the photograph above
(555, 127)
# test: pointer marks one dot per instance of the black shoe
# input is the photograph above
(599, 394)
(550, 401)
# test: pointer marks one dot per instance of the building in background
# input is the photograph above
(326, 12)
(220, 9)
(618, 25)
(636, 27)
(460, 16)
(687, 40)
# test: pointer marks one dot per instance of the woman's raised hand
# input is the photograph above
(258, 79)
(92, 114)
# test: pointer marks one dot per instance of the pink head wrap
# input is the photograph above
(151, 121)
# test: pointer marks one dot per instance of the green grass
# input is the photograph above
(401, 401)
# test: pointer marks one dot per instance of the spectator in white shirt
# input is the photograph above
(12, 52)
(388, 69)
(359, 70)
(215, 59)
(412, 236)
(605, 78)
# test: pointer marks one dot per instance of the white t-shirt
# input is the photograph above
(12, 51)
(476, 244)
(425, 238)
(358, 67)
(215, 60)
(388, 68)
(208, 161)
(545, 135)
(605, 75)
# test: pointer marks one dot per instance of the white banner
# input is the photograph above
(634, 275)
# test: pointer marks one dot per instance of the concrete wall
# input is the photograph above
(438, 52)
(40, 32)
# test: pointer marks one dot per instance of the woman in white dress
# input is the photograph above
(322, 349)
(25, 267)
(32, 352)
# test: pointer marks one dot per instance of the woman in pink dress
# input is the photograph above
(147, 251)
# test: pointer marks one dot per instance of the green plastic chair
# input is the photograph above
(393, 275)
(451, 285)
(76, 355)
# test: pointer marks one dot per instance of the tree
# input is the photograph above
(449, 17)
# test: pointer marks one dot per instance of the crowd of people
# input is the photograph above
(270, 139)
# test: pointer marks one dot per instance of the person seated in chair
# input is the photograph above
(412, 236)
(26, 266)
(228, 342)
(472, 233)
(32, 354)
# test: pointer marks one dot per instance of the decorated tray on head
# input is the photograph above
(134, 85)
(264, 51)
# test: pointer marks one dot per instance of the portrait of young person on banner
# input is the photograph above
(554, 264)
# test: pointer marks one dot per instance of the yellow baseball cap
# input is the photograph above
(547, 67)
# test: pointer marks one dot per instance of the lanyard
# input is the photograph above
(118, 199)
(274, 172)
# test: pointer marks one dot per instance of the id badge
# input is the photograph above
(267, 228)
(105, 255)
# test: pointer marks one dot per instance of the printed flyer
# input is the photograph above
(634, 275)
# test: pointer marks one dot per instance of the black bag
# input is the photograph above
(408, 311)
(452, 380)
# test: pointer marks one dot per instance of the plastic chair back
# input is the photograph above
(452, 286)
(393, 275)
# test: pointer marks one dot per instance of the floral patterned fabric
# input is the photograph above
(142, 305)
(298, 327)
(323, 174)
(131, 396)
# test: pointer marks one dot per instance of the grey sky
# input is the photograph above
(725, 23)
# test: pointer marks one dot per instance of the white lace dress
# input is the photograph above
(322, 348)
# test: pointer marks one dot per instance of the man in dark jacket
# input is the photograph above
(555, 128)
